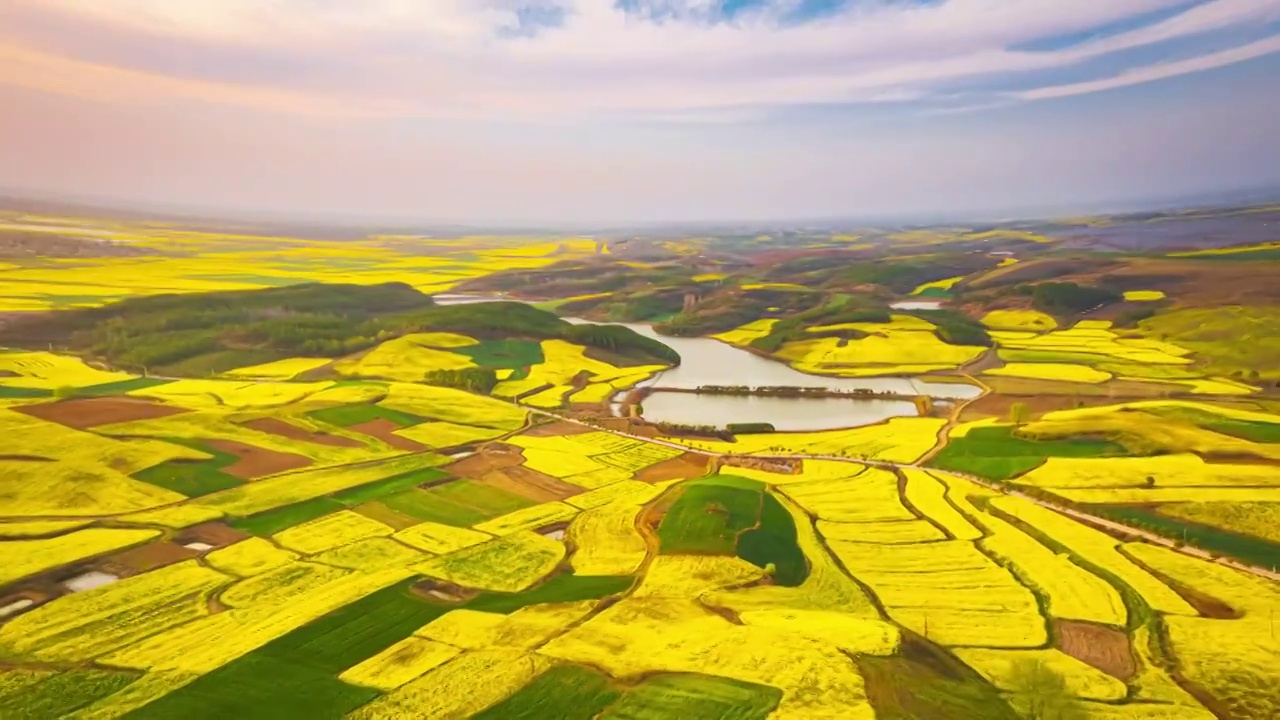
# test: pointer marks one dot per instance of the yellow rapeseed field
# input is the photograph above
(687, 576)
(1066, 372)
(946, 284)
(460, 687)
(901, 440)
(638, 636)
(1083, 681)
(249, 557)
(440, 539)
(1098, 548)
(947, 591)
(234, 394)
(280, 369)
(1033, 320)
(904, 341)
(29, 557)
(373, 554)
(848, 632)
(871, 496)
(87, 624)
(174, 516)
(456, 406)
(745, 334)
(437, 434)
(210, 642)
(634, 492)
(47, 371)
(404, 661)
(404, 359)
(1161, 471)
(893, 532)
(330, 531)
(1143, 295)
(606, 540)
(286, 583)
(524, 629)
(32, 528)
(928, 495)
(1096, 339)
(529, 518)
(507, 564)
(30, 489)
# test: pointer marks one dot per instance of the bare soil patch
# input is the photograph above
(255, 462)
(377, 511)
(492, 456)
(84, 413)
(276, 426)
(530, 484)
(1104, 648)
(557, 428)
(688, 465)
(384, 430)
(147, 557)
(216, 534)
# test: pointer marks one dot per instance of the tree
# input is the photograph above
(1038, 692)
(1019, 413)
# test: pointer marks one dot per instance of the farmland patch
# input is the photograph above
(84, 413)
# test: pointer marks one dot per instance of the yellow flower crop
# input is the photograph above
(87, 624)
(407, 660)
(1083, 681)
(29, 557)
(1033, 320)
(559, 464)
(745, 334)
(1065, 372)
(238, 394)
(370, 555)
(630, 491)
(456, 406)
(48, 371)
(606, 540)
(901, 440)
(948, 592)
(687, 576)
(406, 359)
(890, 532)
(330, 531)
(1184, 469)
(869, 497)
(282, 584)
(904, 341)
(29, 528)
(208, 643)
(459, 688)
(507, 564)
(440, 539)
(1090, 496)
(848, 632)
(446, 434)
(1143, 295)
(249, 557)
(149, 687)
(946, 284)
(280, 369)
(529, 518)
(174, 516)
(1095, 547)
(638, 636)
(928, 495)
(523, 629)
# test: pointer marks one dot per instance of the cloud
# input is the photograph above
(538, 59)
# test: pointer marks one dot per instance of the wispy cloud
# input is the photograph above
(514, 59)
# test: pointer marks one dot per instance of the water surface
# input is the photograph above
(784, 413)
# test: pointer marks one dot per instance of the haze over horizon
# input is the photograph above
(593, 111)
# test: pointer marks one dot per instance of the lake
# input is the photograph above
(917, 305)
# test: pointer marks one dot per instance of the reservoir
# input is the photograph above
(917, 305)
(784, 413)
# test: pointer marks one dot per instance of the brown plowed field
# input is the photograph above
(530, 484)
(688, 465)
(493, 456)
(275, 426)
(1106, 649)
(213, 533)
(1113, 389)
(557, 428)
(384, 430)
(149, 557)
(255, 462)
(84, 413)
(998, 406)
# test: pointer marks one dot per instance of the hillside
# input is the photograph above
(202, 333)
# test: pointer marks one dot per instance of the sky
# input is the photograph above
(574, 111)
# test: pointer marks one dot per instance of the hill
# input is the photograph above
(202, 333)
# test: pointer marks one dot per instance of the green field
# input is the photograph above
(996, 453)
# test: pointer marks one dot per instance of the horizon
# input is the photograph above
(576, 113)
